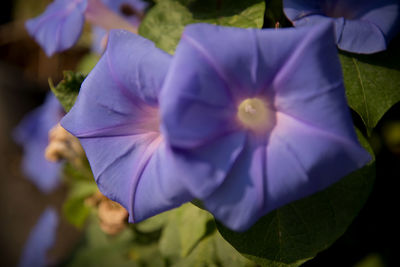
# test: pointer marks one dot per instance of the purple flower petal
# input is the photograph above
(317, 158)
(203, 169)
(361, 26)
(116, 119)
(41, 239)
(239, 201)
(159, 188)
(296, 76)
(32, 134)
(313, 100)
(60, 26)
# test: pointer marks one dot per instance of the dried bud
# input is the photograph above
(95, 199)
(63, 145)
(113, 217)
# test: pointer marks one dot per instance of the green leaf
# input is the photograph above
(184, 229)
(165, 22)
(227, 255)
(291, 235)
(74, 208)
(372, 83)
(190, 239)
(67, 90)
(154, 223)
(101, 250)
(148, 255)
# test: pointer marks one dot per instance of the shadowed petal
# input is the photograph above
(40, 240)
(302, 160)
(202, 170)
(361, 26)
(59, 27)
(385, 14)
(360, 36)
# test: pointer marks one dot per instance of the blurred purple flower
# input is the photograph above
(362, 26)
(260, 122)
(60, 26)
(32, 134)
(41, 239)
(131, 10)
(116, 120)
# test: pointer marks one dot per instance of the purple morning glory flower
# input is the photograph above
(32, 134)
(116, 120)
(41, 239)
(257, 118)
(60, 26)
(360, 26)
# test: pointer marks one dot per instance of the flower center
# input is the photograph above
(254, 114)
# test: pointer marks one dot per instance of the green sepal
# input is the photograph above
(67, 90)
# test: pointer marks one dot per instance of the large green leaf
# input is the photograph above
(165, 22)
(190, 238)
(296, 232)
(184, 229)
(152, 224)
(372, 83)
(101, 250)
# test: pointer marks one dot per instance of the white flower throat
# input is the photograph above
(254, 114)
